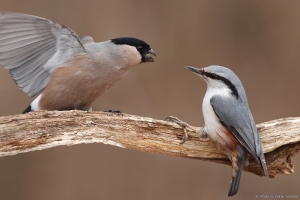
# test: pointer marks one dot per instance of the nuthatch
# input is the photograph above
(73, 72)
(228, 120)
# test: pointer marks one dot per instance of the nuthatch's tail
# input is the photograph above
(264, 165)
(238, 162)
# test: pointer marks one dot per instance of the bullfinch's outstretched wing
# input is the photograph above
(32, 48)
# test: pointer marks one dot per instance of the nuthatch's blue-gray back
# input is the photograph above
(73, 72)
(228, 120)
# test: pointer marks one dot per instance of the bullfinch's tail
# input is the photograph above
(238, 163)
(28, 109)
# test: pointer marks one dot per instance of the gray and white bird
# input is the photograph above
(72, 72)
(228, 120)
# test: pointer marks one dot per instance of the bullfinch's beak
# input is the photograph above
(147, 57)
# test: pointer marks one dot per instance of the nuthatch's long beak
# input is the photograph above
(148, 58)
(195, 70)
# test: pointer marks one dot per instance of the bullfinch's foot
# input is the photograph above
(118, 112)
(86, 109)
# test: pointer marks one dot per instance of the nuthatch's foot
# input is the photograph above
(204, 133)
(118, 112)
(183, 125)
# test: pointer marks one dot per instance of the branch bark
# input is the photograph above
(46, 129)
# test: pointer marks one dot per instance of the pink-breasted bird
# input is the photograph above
(72, 73)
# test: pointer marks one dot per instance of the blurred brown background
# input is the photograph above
(258, 40)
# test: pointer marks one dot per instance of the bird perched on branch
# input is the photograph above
(72, 72)
(228, 120)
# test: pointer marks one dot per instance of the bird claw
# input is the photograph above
(87, 109)
(180, 123)
(118, 112)
(203, 134)
(185, 135)
(84, 109)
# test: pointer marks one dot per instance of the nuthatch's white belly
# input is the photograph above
(214, 128)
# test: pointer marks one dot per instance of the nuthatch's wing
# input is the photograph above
(32, 48)
(236, 116)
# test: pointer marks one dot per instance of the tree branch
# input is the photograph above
(47, 129)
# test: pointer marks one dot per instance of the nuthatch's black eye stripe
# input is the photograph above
(227, 82)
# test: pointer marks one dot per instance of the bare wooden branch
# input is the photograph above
(47, 129)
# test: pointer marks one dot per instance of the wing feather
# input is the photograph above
(41, 81)
(22, 57)
(235, 116)
(28, 43)
(11, 59)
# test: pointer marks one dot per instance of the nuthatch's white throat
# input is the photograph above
(73, 72)
(228, 120)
